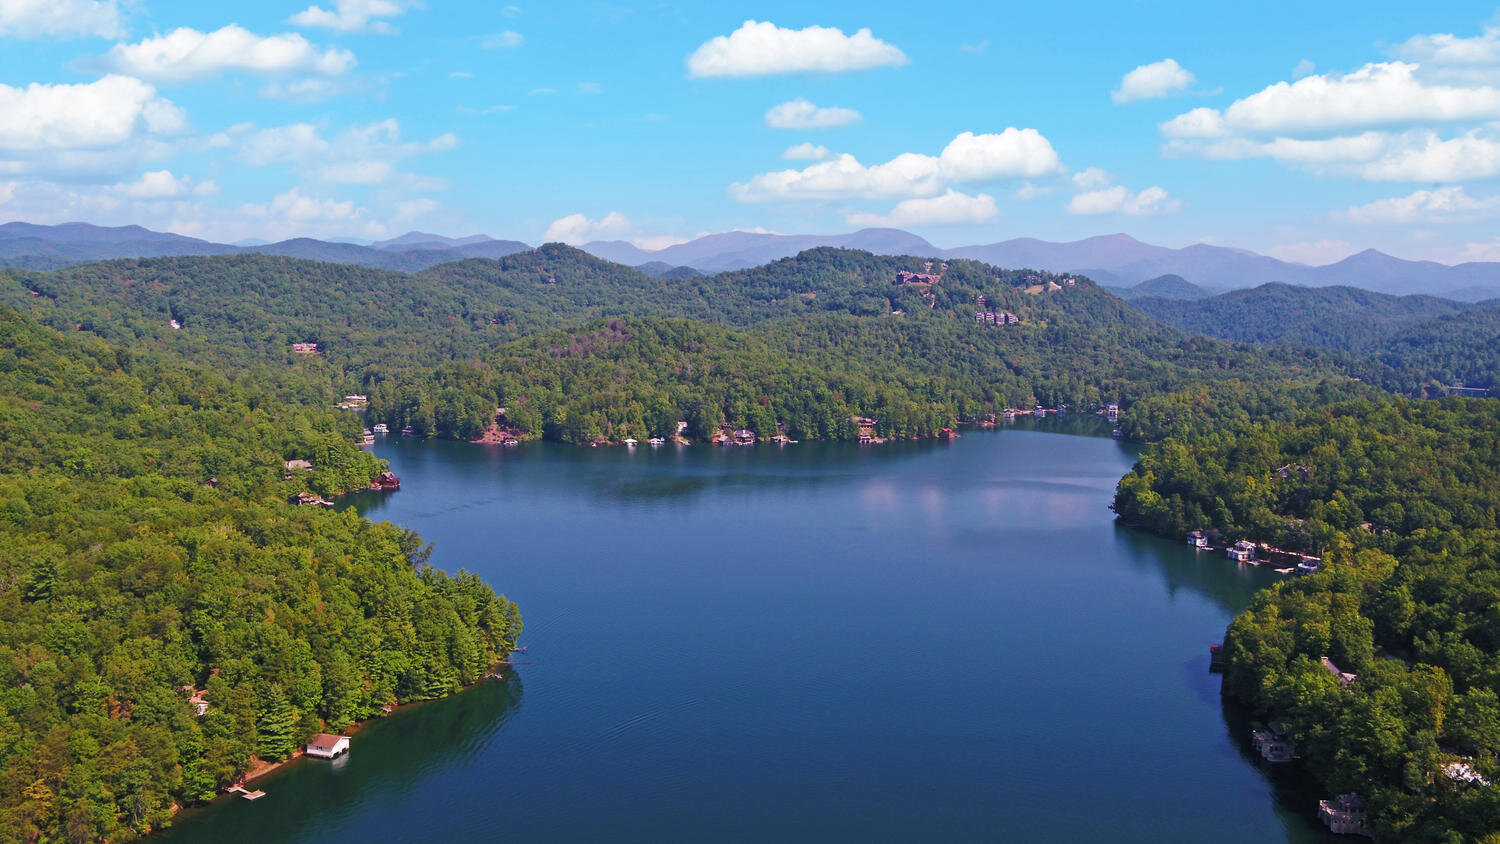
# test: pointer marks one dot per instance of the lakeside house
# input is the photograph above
(630, 441)
(385, 481)
(1309, 565)
(309, 499)
(1197, 539)
(1113, 412)
(381, 428)
(866, 428)
(1273, 745)
(1346, 814)
(1344, 677)
(1039, 412)
(744, 437)
(325, 746)
(1242, 551)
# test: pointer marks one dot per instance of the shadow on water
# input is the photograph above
(310, 796)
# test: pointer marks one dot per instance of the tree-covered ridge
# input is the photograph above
(1400, 498)
(125, 576)
(1447, 342)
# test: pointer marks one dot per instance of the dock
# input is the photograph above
(241, 791)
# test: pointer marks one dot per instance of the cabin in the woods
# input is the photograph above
(905, 277)
(305, 348)
(1344, 677)
(325, 746)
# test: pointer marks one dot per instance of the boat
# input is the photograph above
(408, 431)
(381, 428)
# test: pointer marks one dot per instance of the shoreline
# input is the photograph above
(262, 769)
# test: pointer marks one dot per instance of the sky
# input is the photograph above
(1307, 131)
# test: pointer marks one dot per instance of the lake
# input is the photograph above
(823, 641)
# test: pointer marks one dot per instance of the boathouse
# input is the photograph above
(1242, 551)
(1273, 746)
(1197, 539)
(325, 746)
(1345, 815)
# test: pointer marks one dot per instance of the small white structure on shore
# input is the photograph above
(325, 746)
(1197, 539)
(1242, 551)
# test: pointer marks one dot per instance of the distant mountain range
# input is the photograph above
(1117, 261)
(36, 247)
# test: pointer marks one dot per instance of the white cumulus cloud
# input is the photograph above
(351, 16)
(763, 48)
(157, 184)
(1153, 81)
(1448, 204)
(362, 154)
(186, 54)
(801, 114)
(951, 208)
(1119, 200)
(60, 19)
(103, 113)
(968, 158)
(1378, 94)
(577, 228)
(806, 151)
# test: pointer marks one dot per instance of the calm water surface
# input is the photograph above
(826, 642)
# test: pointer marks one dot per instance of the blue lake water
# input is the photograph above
(821, 642)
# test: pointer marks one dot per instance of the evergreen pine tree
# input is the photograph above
(275, 725)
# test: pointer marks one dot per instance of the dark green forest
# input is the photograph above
(1441, 341)
(146, 546)
(1399, 498)
(806, 341)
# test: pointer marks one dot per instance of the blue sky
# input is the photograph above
(1309, 131)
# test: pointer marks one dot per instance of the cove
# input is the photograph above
(912, 641)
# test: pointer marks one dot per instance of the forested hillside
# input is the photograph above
(1448, 342)
(1399, 498)
(146, 546)
(440, 350)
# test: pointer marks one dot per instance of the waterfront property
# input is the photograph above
(325, 746)
(1273, 745)
(1346, 814)
(1242, 551)
(1197, 539)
